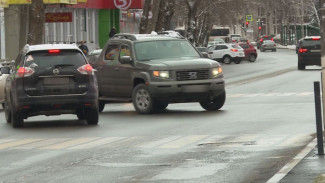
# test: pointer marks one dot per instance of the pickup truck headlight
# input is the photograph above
(216, 71)
(161, 74)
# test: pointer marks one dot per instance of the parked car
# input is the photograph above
(250, 51)
(268, 45)
(203, 50)
(93, 55)
(299, 45)
(263, 38)
(4, 73)
(227, 53)
(51, 79)
(231, 38)
(309, 52)
(240, 40)
(153, 71)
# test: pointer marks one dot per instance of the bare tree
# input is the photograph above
(191, 20)
(145, 17)
(36, 22)
(165, 14)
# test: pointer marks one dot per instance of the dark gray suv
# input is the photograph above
(153, 71)
(51, 79)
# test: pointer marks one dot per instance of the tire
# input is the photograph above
(142, 100)
(275, 50)
(237, 61)
(7, 109)
(226, 60)
(101, 106)
(91, 116)
(81, 115)
(252, 58)
(301, 66)
(215, 104)
(16, 118)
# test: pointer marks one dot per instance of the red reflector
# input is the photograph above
(87, 104)
(57, 106)
(266, 36)
(54, 51)
(316, 38)
(26, 107)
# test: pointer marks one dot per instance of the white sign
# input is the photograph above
(122, 4)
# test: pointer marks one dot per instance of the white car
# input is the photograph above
(227, 53)
(4, 73)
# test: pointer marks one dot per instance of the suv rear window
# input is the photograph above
(310, 42)
(44, 59)
(235, 46)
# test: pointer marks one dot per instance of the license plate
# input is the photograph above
(56, 81)
(314, 50)
(241, 54)
(194, 88)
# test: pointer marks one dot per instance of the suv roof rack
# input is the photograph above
(131, 37)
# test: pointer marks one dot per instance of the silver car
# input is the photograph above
(268, 45)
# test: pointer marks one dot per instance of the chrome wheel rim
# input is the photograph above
(142, 99)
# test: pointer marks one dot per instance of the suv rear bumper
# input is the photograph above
(186, 91)
(309, 59)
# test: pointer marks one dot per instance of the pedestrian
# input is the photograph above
(112, 32)
(84, 47)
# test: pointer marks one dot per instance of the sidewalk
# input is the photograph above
(311, 169)
(291, 47)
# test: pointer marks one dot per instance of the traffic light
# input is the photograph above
(247, 23)
(259, 27)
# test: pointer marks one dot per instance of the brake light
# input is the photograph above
(316, 38)
(233, 40)
(24, 72)
(272, 39)
(85, 69)
(54, 51)
(266, 36)
(261, 40)
(302, 50)
(233, 50)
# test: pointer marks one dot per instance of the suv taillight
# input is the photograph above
(85, 69)
(24, 72)
(302, 50)
(234, 50)
(261, 40)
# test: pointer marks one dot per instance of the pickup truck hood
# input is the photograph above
(179, 64)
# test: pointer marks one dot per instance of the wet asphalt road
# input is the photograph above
(267, 119)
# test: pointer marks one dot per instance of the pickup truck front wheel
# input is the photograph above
(142, 99)
(214, 104)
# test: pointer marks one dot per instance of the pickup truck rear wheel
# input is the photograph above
(214, 104)
(142, 100)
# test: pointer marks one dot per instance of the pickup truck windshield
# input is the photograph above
(164, 49)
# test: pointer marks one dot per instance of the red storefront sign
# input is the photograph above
(58, 17)
(110, 4)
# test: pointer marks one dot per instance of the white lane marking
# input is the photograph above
(97, 143)
(68, 143)
(289, 166)
(183, 141)
(158, 142)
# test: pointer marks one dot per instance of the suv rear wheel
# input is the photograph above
(92, 116)
(7, 112)
(226, 60)
(215, 104)
(301, 66)
(142, 100)
(101, 106)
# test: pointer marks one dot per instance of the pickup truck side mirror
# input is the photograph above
(125, 60)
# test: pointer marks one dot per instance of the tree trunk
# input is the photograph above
(36, 22)
(145, 17)
(191, 20)
(161, 16)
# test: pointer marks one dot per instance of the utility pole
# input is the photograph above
(322, 29)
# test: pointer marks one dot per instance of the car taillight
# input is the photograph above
(24, 72)
(302, 50)
(233, 40)
(233, 50)
(272, 39)
(85, 69)
(261, 40)
(315, 38)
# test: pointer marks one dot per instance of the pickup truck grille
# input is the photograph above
(192, 75)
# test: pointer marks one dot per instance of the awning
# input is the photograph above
(5, 3)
